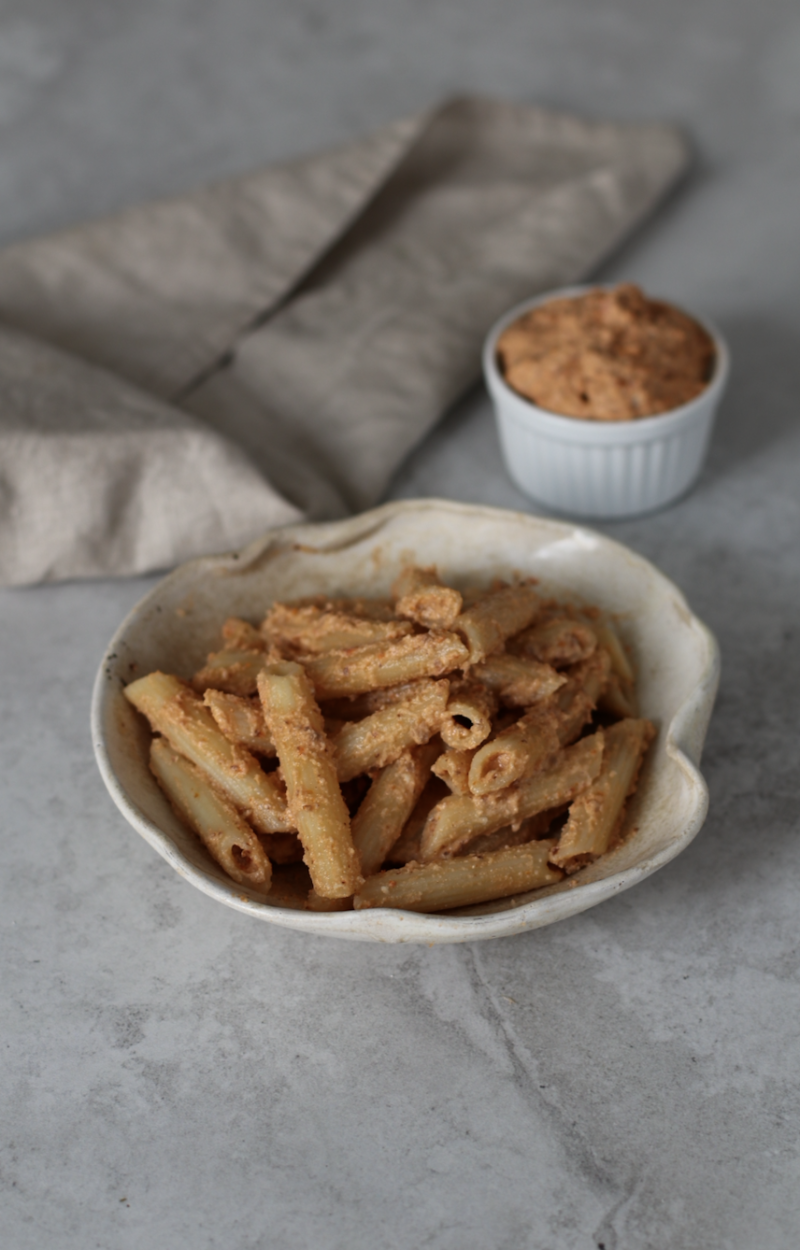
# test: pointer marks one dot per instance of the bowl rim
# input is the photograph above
(583, 429)
(683, 742)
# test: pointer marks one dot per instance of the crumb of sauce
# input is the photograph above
(608, 355)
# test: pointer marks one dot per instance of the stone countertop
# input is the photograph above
(177, 1075)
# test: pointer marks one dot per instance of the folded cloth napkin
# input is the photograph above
(186, 374)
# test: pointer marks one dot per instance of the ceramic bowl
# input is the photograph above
(178, 623)
(601, 468)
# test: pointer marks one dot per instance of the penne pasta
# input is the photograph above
(470, 709)
(310, 630)
(461, 882)
(362, 746)
(366, 609)
(608, 638)
(578, 698)
(459, 818)
(528, 831)
(389, 802)
(234, 672)
(556, 721)
(406, 847)
(240, 719)
(453, 768)
(559, 641)
(240, 635)
(595, 814)
(446, 727)
(225, 834)
(422, 597)
(178, 713)
(518, 681)
(315, 800)
(360, 669)
(521, 749)
(356, 707)
(495, 617)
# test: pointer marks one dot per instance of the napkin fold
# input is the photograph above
(184, 375)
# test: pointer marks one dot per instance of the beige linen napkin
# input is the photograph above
(182, 376)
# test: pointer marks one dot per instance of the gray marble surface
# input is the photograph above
(176, 1075)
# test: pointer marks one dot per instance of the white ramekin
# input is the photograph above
(601, 468)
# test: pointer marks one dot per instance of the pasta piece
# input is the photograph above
(422, 597)
(385, 664)
(389, 802)
(241, 720)
(356, 707)
(227, 837)
(235, 672)
(393, 697)
(496, 617)
(470, 709)
(406, 847)
(519, 750)
(556, 721)
(559, 641)
(459, 818)
(608, 638)
(311, 630)
(453, 768)
(367, 609)
(596, 813)
(518, 681)
(315, 800)
(578, 698)
(362, 746)
(534, 827)
(242, 636)
(178, 713)
(460, 882)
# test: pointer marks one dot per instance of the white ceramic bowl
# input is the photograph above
(178, 623)
(601, 468)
